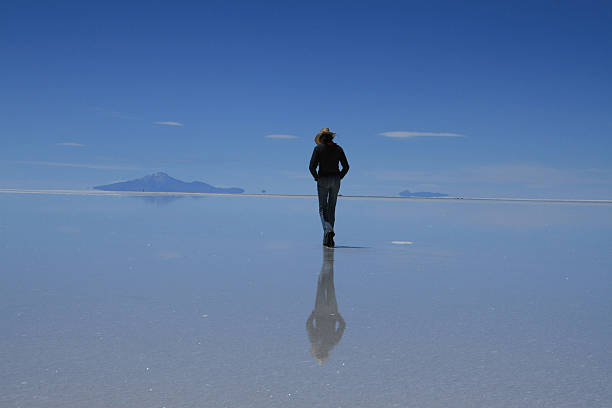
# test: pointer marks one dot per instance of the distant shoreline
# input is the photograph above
(358, 197)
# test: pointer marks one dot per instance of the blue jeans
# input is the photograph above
(328, 188)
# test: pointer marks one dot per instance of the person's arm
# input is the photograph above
(344, 162)
(314, 162)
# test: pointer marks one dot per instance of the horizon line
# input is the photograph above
(363, 197)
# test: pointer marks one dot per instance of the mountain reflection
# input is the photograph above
(159, 200)
(325, 326)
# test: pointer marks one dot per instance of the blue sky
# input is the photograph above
(509, 99)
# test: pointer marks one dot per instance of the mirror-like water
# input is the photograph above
(232, 302)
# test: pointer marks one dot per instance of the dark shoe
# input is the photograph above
(328, 239)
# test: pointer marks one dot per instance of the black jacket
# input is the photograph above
(327, 156)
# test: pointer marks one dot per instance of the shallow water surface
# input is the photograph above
(232, 302)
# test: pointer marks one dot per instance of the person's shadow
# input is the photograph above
(325, 326)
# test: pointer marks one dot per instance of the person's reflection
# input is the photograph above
(325, 326)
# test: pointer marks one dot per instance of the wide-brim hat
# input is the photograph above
(324, 131)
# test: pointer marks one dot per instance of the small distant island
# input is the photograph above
(407, 193)
(163, 183)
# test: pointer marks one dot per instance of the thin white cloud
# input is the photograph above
(280, 136)
(168, 123)
(72, 144)
(80, 165)
(409, 135)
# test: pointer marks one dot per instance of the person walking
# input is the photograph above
(326, 156)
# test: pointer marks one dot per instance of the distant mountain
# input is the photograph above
(161, 182)
(407, 193)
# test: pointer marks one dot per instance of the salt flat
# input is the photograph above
(122, 300)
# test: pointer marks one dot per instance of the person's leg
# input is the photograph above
(334, 188)
(322, 191)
